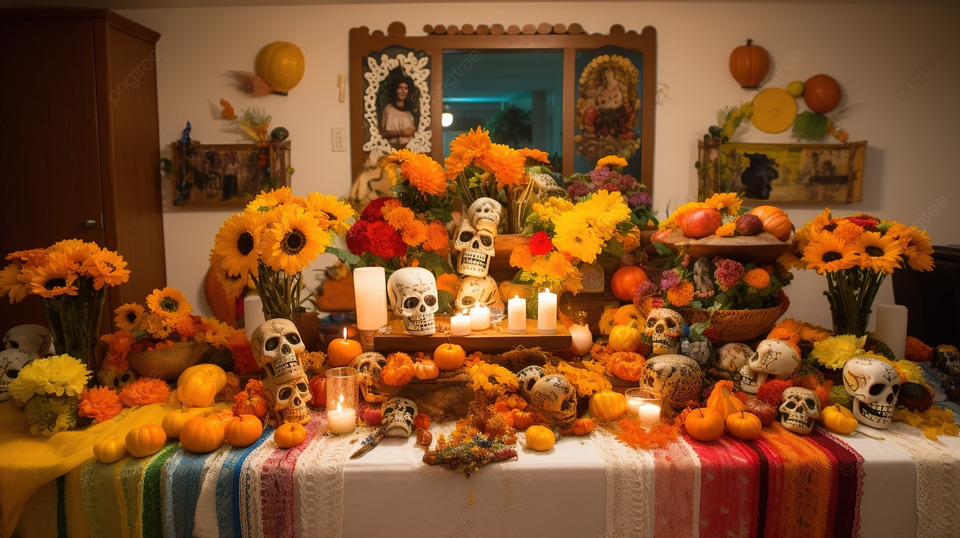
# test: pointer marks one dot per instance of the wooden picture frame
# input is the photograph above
(227, 175)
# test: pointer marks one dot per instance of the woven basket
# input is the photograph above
(167, 363)
(738, 325)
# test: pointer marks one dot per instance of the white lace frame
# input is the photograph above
(414, 67)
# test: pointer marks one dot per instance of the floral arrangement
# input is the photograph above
(855, 254)
(607, 175)
(272, 240)
(50, 387)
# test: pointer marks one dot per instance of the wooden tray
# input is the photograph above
(496, 338)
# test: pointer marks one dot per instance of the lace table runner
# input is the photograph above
(630, 486)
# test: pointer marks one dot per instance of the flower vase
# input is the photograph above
(75, 323)
(851, 293)
(280, 293)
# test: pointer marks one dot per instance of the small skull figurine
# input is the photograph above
(799, 408)
(678, 378)
(413, 295)
(31, 337)
(555, 398)
(476, 290)
(528, 377)
(874, 385)
(484, 209)
(276, 343)
(475, 237)
(733, 356)
(290, 400)
(773, 358)
(398, 416)
(368, 366)
(946, 358)
(11, 362)
(664, 327)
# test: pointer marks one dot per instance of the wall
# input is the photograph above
(898, 64)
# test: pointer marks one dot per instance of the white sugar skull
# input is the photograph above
(556, 399)
(413, 296)
(11, 362)
(368, 366)
(31, 337)
(478, 290)
(398, 414)
(475, 237)
(799, 408)
(677, 378)
(528, 377)
(946, 358)
(484, 209)
(700, 351)
(664, 327)
(775, 358)
(276, 343)
(733, 356)
(290, 400)
(874, 385)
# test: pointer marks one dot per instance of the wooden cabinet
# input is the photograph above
(80, 151)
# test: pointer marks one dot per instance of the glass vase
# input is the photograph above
(851, 293)
(75, 323)
(280, 293)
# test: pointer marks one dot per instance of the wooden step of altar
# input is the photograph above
(494, 339)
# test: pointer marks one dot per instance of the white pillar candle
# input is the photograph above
(892, 327)
(370, 293)
(517, 315)
(460, 325)
(342, 419)
(479, 318)
(546, 312)
(582, 338)
(252, 314)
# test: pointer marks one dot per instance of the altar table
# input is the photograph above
(586, 486)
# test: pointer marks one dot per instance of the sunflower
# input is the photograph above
(819, 223)
(535, 155)
(74, 252)
(10, 283)
(727, 203)
(918, 252)
(129, 317)
(464, 149)
(613, 161)
(267, 200)
(33, 256)
(576, 237)
(293, 239)
(236, 245)
(879, 253)
(51, 280)
(233, 285)
(330, 212)
(505, 163)
(424, 174)
(826, 254)
(169, 303)
(107, 269)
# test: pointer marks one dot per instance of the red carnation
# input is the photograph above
(357, 240)
(373, 211)
(866, 222)
(540, 243)
(385, 240)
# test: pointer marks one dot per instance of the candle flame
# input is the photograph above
(339, 407)
(344, 333)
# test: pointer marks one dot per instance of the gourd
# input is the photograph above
(626, 369)
(627, 313)
(723, 402)
(398, 371)
(173, 422)
(838, 419)
(626, 280)
(625, 337)
(145, 440)
(199, 384)
(426, 369)
(607, 405)
(540, 438)
(243, 430)
(449, 356)
(821, 93)
(223, 308)
(704, 424)
(110, 449)
(202, 434)
(289, 435)
(280, 64)
(775, 221)
(318, 390)
(749, 64)
(583, 426)
(523, 419)
(744, 425)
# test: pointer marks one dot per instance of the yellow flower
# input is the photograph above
(835, 351)
(613, 161)
(233, 285)
(414, 233)
(631, 239)
(726, 229)
(331, 213)
(10, 283)
(74, 252)
(553, 207)
(536, 155)
(293, 239)
(107, 269)
(917, 249)
(826, 254)
(505, 163)
(464, 149)
(129, 317)
(819, 223)
(437, 238)
(169, 303)
(237, 243)
(51, 280)
(60, 375)
(680, 294)
(492, 379)
(575, 237)
(727, 203)
(155, 325)
(34, 256)
(424, 174)
(879, 253)
(267, 200)
(604, 211)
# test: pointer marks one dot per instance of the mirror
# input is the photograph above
(574, 95)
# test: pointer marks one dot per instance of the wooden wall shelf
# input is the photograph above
(496, 338)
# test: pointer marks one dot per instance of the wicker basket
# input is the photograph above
(167, 363)
(738, 325)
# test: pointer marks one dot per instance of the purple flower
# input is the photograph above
(728, 273)
(669, 279)
(627, 181)
(577, 189)
(638, 199)
(645, 289)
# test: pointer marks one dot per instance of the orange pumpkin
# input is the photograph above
(723, 401)
(173, 422)
(398, 371)
(775, 221)
(289, 434)
(540, 438)
(198, 385)
(110, 449)
(704, 424)
(627, 313)
(426, 369)
(607, 405)
(744, 425)
(203, 433)
(626, 280)
(449, 356)
(522, 419)
(223, 307)
(749, 64)
(145, 440)
(822, 93)
(627, 366)
(581, 426)
(243, 430)
(318, 390)
(625, 337)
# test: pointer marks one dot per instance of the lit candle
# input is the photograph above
(582, 338)
(342, 399)
(460, 324)
(546, 312)
(479, 318)
(517, 315)
(342, 351)
(892, 327)
(252, 314)
(641, 405)
(342, 419)
(370, 293)
(648, 413)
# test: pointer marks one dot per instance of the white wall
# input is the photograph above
(898, 64)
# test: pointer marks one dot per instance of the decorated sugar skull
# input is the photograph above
(700, 351)
(484, 210)
(478, 290)
(413, 296)
(276, 343)
(555, 398)
(30, 337)
(664, 327)
(475, 237)
(946, 358)
(290, 400)
(799, 408)
(733, 356)
(11, 362)
(874, 385)
(776, 358)
(398, 416)
(528, 377)
(368, 366)
(678, 378)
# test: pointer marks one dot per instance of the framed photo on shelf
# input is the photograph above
(227, 175)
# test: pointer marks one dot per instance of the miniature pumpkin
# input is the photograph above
(627, 313)
(243, 430)
(749, 64)
(583, 426)
(723, 401)
(704, 424)
(607, 405)
(421, 421)
(110, 449)
(202, 434)
(398, 371)
(744, 425)
(822, 93)
(198, 385)
(289, 434)
(449, 356)
(626, 280)
(627, 366)
(251, 400)
(838, 419)
(173, 422)
(145, 440)
(426, 369)
(775, 221)
(625, 337)
(522, 419)
(540, 438)
(318, 390)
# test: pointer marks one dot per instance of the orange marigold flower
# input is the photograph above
(99, 403)
(521, 258)
(448, 282)
(726, 230)
(757, 278)
(414, 233)
(437, 238)
(505, 163)
(145, 390)
(425, 174)
(464, 149)
(681, 294)
(537, 155)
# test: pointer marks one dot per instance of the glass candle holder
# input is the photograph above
(341, 399)
(644, 404)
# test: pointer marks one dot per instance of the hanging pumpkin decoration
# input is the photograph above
(749, 64)
(821, 93)
(279, 67)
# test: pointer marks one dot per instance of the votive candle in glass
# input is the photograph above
(341, 399)
(644, 405)
(517, 315)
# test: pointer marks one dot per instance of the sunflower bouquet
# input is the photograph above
(855, 254)
(272, 240)
(607, 175)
